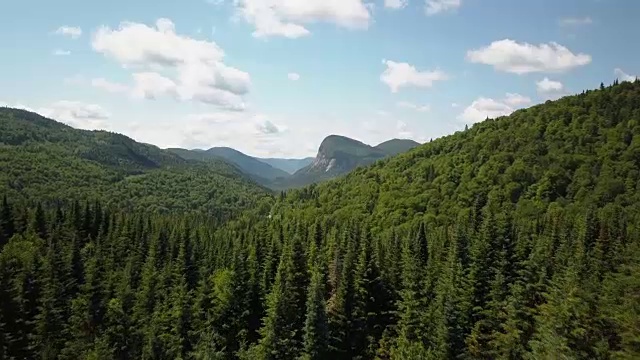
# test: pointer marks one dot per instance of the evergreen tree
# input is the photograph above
(316, 330)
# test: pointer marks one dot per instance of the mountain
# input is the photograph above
(339, 155)
(518, 238)
(258, 170)
(45, 159)
(288, 165)
(397, 146)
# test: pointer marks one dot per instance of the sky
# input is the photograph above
(273, 78)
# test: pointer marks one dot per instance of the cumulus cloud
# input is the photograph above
(77, 114)
(550, 89)
(395, 4)
(622, 76)
(293, 76)
(548, 86)
(398, 75)
(288, 17)
(575, 21)
(516, 99)
(483, 108)
(412, 106)
(267, 127)
(151, 85)
(522, 58)
(433, 7)
(73, 32)
(175, 65)
(253, 133)
(61, 52)
(108, 86)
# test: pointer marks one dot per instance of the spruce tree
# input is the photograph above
(316, 330)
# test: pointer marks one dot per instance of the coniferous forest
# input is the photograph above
(518, 238)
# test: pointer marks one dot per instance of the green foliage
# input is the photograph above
(517, 239)
(45, 160)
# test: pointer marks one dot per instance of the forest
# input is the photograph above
(517, 238)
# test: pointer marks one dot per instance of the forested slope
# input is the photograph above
(516, 239)
(46, 160)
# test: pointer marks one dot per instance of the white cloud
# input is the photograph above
(73, 32)
(186, 68)
(575, 21)
(61, 52)
(288, 17)
(267, 127)
(293, 76)
(151, 85)
(395, 4)
(516, 99)
(455, 105)
(412, 106)
(398, 75)
(522, 58)
(433, 7)
(622, 76)
(77, 114)
(483, 108)
(403, 130)
(549, 86)
(109, 86)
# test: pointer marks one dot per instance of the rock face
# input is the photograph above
(339, 154)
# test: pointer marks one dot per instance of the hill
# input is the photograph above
(397, 146)
(44, 159)
(486, 236)
(288, 165)
(516, 239)
(256, 169)
(339, 155)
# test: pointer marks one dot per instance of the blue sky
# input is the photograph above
(274, 77)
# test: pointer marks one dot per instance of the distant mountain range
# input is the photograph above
(339, 155)
(257, 169)
(288, 165)
(336, 156)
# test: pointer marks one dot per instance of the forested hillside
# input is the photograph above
(45, 160)
(516, 239)
(260, 171)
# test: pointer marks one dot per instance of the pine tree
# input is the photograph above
(451, 308)
(7, 222)
(316, 331)
(50, 319)
(88, 308)
(410, 340)
(340, 305)
(372, 301)
(281, 332)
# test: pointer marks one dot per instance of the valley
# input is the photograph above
(516, 238)
(337, 155)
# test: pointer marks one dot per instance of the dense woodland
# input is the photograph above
(45, 160)
(518, 238)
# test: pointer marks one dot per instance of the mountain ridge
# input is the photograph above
(338, 155)
(51, 160)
